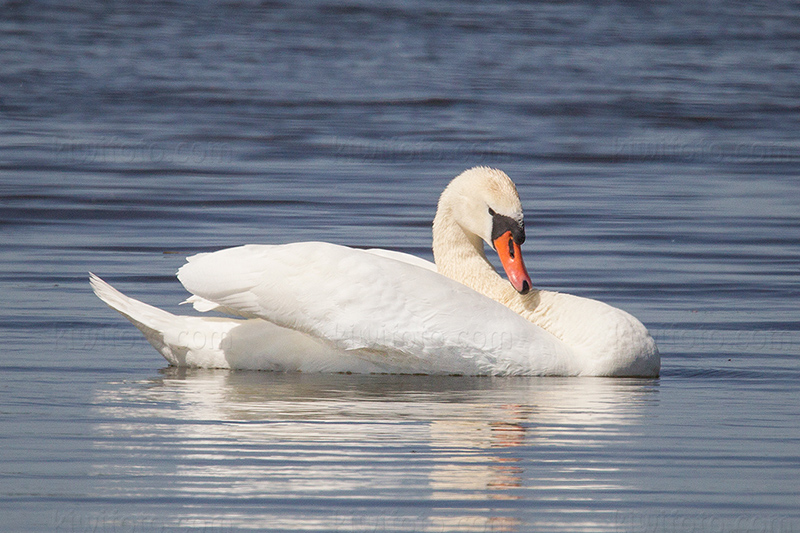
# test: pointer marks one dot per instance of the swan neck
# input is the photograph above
(460, 255)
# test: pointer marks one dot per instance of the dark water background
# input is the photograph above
(656, 151)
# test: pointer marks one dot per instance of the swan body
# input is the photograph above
(320, 307)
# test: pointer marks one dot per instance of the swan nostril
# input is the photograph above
(525, 287)
(511, 248)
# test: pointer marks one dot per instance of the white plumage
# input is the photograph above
(322, 307)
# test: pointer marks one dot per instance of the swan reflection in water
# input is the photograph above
(291, 442)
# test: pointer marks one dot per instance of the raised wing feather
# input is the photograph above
(372, 304)
(404, 258)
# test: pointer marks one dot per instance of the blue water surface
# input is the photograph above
(656, 151)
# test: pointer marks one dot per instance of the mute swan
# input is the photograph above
(316, 306)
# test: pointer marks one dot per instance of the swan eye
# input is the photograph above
(503, 223)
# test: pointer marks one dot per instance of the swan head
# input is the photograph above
(484, 202)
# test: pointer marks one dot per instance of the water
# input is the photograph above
(656, 152)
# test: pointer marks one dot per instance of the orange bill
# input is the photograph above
(511, 257)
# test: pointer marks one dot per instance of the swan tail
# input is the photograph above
(182, 340)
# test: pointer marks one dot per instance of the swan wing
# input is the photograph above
(389, 311)
(404, 258)
(203, 305)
